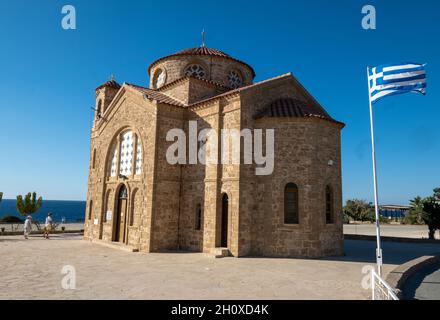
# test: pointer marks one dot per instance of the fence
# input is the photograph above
(380, 289)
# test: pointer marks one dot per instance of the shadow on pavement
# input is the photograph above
(395, 253)
(424, 285)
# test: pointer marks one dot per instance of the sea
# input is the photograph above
(63, 211)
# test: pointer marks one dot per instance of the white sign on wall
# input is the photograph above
(95, 222)
(108, 215)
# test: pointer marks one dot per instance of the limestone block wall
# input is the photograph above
(191, 90)
(166, 201)
(303, 148)
(300, 160)
(193, 187)
(217, 68)
(230, 175)
(129, 112)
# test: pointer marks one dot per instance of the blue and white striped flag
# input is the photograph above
(391, 79)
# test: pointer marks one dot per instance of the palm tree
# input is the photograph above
(431, 207)
(417, 213)
(30, 204)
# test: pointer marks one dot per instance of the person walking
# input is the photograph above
(27, 228)
(48, 225)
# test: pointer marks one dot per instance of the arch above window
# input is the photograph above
(291, 208)
(195, 70)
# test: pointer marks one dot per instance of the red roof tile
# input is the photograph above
(111, 83)
(289, 107)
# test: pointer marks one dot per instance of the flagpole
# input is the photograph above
(376, 201)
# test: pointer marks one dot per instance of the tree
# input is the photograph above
(437, 194)
(359, 210)
(416, 214)
(30, 204)
(1, 196)
(431, 217)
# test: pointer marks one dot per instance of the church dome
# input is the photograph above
(200, 51)
(201, 62)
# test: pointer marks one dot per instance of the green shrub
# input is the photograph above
(11, 219)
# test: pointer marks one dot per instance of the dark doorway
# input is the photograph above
(224, 231)
(121, 215)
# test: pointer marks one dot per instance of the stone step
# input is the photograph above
(220, 252)
(115, 245)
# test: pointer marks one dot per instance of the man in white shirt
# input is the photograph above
(27, 228)
(48, 225)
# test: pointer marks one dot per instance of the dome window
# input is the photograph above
(195, 70)
(234, 79)
(159, 78)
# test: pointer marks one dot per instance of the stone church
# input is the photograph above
(137, 200)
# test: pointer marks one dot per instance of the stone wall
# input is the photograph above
(129, 111)
(217, 68)
(162, 201)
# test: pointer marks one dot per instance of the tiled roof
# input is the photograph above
(283, 107)
(290, 107)
(111, 83)
(201, 51)
(155, 95)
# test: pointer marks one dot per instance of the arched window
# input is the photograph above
(195, 70)
(159, 78)
(123, 192)
(198, 218)
(234, 79)
(329, 205)
(126, 160)
(126, 155)
(90, 209)
(291, 211)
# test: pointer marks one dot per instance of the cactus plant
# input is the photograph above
(30, 204)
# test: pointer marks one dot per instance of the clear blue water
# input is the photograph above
(71, 211)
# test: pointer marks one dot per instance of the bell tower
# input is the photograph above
(104, 96)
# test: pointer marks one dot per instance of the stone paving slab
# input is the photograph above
(32, 270)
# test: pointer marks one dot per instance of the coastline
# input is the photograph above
(18, 228)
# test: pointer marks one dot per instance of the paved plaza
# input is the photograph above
(33, 270)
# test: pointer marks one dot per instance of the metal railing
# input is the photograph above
(380, 289)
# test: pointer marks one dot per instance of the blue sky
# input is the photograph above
(48, 76)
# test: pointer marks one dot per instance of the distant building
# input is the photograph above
(138, 199)
(394, 212)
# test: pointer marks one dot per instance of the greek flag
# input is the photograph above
(391, 79)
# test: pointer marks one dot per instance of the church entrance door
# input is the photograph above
(121, 215)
